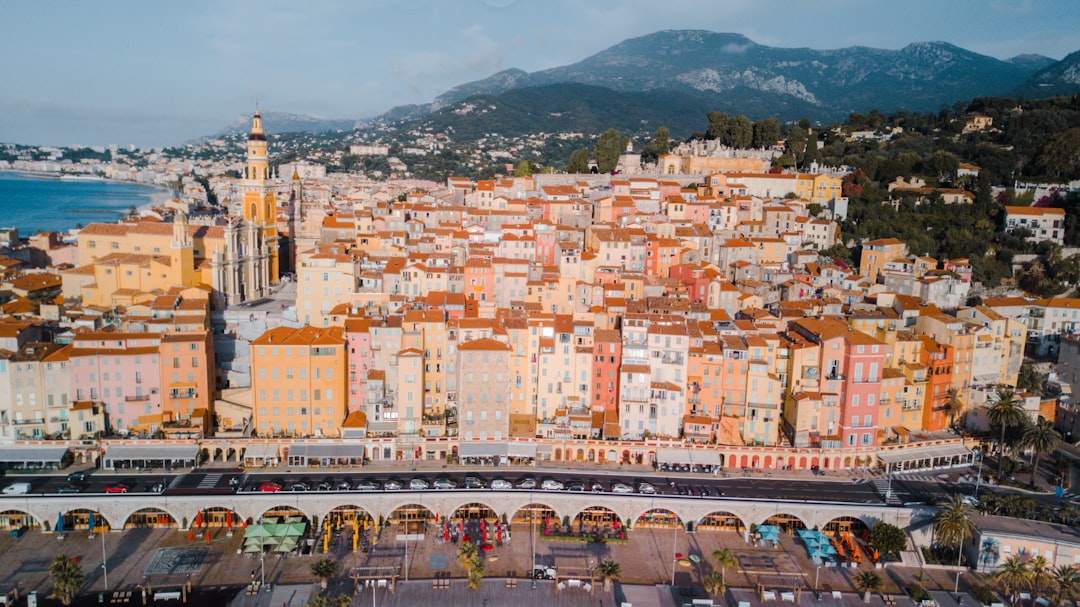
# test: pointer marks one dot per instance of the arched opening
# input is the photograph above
(721, 456)
(558, 454)
(596, 518)
(626, 456)
(17, 519)
(788, 523)
(814, 462)
(347, 515)
(611, 455)
(659, 518)
(81, 518)
(474, 512)
(411, 519)
(149, 518)
(534, 513)
(768, 461)
(745, 461)
(755, 462)
(592, 455)
(722, 521)
(847, 462)
(580, 455)
(847, 525)
(791, 462)
(284, 514)
(215, 517)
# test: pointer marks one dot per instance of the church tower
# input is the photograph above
(259, 207)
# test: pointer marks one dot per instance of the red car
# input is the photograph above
(269, 487)
(116, 489)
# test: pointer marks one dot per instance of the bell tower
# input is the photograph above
(259, 207)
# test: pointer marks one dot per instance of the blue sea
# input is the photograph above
(33, 204)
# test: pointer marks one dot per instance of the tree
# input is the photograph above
(1004, 413)
(525, 168)
(714, 583)
(766, 133)
(954, 522)
(888, 538)
(868, 582)
(954, 404)
(67, 578)
(662, 141)
(717, 125)
(1066, 580)
(325, 600)
(1040, 437)
(1013, 575)
(725, 558)
(324, 569)
(739, 133)
(609, 571)
(608, 149)
(579, 161)
(1041, 576)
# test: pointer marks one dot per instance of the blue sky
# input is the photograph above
(160, 73)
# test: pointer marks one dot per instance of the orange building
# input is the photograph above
(187, 375)
(299, 381)
(938, 360)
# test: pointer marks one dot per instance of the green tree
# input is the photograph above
(325, 600)
(469, 556)
(954, 523)
(1040, 437)
(888, 538)
(725, 558)
(868, 582)
(662, 140)
(609, 571)
(476, 576)
(766, 133)
(579, 162)
(1060, 158)
(1004, 413)
(713, 583)
(739, 133)
(1041, 576)
(67, 578)
(1013, 575)
(717, 125)
(608, 149)
(526, 168)
(324, 569)
(1066, 579)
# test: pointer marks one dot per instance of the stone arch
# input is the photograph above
(580, 455)
(596, 515)
(145, 518)
(18, 519)
(534, 512)
(721, 458)
(846, 524)
(475, 511)
(802, 463)
(79, 519)
(722, 521)
(626, 456)
(347, 513)
(558, 454)
(788, 523)
(658, 518)
(283, 511)
(768, 462)
(847, 461)
(411, 513)
(592, 455)
(611, 456)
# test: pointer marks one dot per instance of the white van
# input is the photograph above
(17, 489)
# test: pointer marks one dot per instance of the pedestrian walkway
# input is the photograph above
(210, 480)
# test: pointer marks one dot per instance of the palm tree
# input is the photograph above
(1041, 578)
(1066, 580)
(714, 583)
(324, 569)
(67, 578)
(953, 404)
(1013, 575)
(868, 582)
(476, 575)
(954, 522)
(725, 558)
(609, 571)
(1005, 413)
(468, 556)
(1042, 438)
(325, 600)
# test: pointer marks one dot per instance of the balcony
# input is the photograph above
(183, 393)
(138, 398)
(27, 422)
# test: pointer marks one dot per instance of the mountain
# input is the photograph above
(284, 122)
(1060, 78)
(741, 75)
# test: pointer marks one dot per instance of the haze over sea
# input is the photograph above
(33, 204)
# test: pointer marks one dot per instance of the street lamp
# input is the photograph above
(959, 554)
(978, 479)
(674, 549)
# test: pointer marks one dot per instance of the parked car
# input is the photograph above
(541, 572)
(342, 486)
(370, 485)
(68, 489)
(392, 485)
(77, 477)
(418, 484)
(324, 486)
(526, 483)
(445, 483)
(621, 488)
(269, 487)
(646, 488)
(116, 489)
(501, 485)
(299, 487)
(596, 487)
(552, 485)
(576, 486)
(17, 489)
(471, 482)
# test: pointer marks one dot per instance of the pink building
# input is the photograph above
(358, 337)
(121, 371)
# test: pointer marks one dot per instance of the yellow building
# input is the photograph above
(326, 277)
(298, 381)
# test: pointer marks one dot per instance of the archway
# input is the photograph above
(411, 517)
(611, 455)
(595, 520)
(534, 513)
(659, 518)
(721, 456)
(580, 455)
(788, 523)
(847, 462)
(80, 519)
(558, 454)
(768, 461)
(626, 456)
(284, 514)
(215, 517)
(474, 511)
(592, 455)
(17, 519)
(802, 463)
(149, 518)
(347, 514)
(722, 521)
(845, 525)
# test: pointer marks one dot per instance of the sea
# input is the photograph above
(34, 203)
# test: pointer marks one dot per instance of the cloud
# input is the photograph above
(471, 55)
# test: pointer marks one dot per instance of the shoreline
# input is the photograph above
(165, 190)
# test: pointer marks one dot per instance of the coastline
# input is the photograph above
(164, 190)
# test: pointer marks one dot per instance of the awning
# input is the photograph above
(669, 455)
(30, 453)
(482, 449)
(911, 454)
(521, 450)
(704, 457)
(261, 451)
(331, 451)
(151, 452)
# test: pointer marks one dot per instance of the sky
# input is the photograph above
(96, 72)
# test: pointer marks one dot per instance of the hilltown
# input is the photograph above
(562, 317)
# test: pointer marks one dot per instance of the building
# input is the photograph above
(121, 372)
(1044, 223)
(483, 390)
(299, 381)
